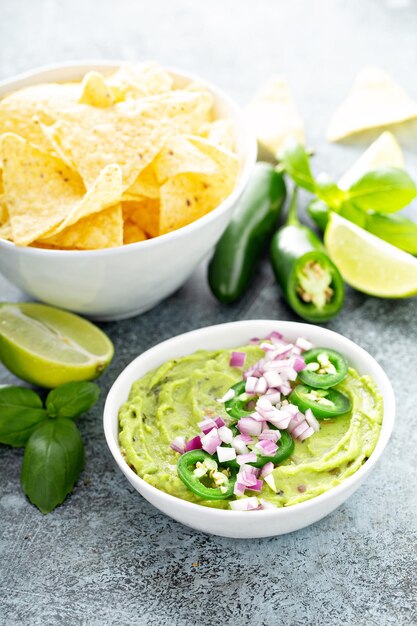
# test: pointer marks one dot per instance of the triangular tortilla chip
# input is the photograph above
(95, 91)
(129, 133)
(383, 152)
(180, 156)
(145, 213)
(41, 191)
(221, 133)
(94, 232)
(146, 184)
(273, 117)
(375, 100)
(138, 81)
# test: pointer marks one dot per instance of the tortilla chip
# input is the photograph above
(146, 184)
(21, 111)
(132, 233)
(6, 231)
(138, 81)
(187, 197)
(42, 192)
(145, 213)
(95, 91)
(130, 133)
(180, 156)
(375, 100)
(221, 133)
(273, 117)
(94, 232)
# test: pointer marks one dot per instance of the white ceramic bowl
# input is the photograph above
(121, 282)
(236, 523)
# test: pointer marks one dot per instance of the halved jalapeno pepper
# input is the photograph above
(186, 466)
(236, 407)
(325, 368)
(323, 402)
(285, 449)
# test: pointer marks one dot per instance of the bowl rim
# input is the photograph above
(84, 65)
(110, 414)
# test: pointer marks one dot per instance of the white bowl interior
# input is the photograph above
(228, 336)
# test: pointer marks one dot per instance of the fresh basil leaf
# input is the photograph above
(52, 463)
(72, 399)
(350, 211)
(20, 412)
(329, 192)
(296, 163)
(385, 190)
(396, 229)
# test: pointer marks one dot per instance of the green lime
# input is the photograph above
(48, 347)
(368, 263)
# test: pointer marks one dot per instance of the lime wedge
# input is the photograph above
(368, 263)
(383, 152)
(48, 347)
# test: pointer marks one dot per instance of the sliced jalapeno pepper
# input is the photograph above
(285, 449)
(325, 368)
(186, 466)
(323, 402)
(236, 407)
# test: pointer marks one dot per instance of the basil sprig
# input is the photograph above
(54, 451)
(369, 202)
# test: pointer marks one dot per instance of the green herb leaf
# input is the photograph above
(385, 190)
(296, 163)
(72, 399)
(396, 229)
(350, 211)
(329, 192)
(52, 463)
(20, 412)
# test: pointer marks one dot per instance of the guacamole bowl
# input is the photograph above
(259, 523)
(119, 282)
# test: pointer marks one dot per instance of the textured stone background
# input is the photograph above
(106, 556)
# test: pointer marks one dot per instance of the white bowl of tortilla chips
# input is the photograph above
(117, 181)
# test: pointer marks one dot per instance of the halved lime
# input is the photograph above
(368, 263)
(48, 347)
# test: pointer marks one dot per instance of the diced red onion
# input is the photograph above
(275, 336)
(298, 430)
(193, 444)
(225, 454)
(245, 504)
(266, 505)
(270, 481)
(247, 439)
(261, 386)
(273, 379)
(284, 350)
(280, 419)
(266, 447)
(246, 478)
(273, 396)
(225, 434)
(266, 469)
(306, 434)
(229, 395)
(207, 425)
(292, 409)
(219, 422)
(257, 486)
(299, 364)
(251, 383)
(249, 426)
(250, 469)
(239, 445)
(254, 340)
(285, 390)
(304, 344)
(178, 444)
(291, 374)
(267, 347)
(296, 420)
(311, 420)
(271, 435)
(237, 359)
(258, 417)
(238, 489)
(296, 350)
(210, 441)
(246, 458)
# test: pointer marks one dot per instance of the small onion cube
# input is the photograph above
(219, 422)
(207, 425)
(251, 382)
(246, 478)
(270, 481)
(275, 336)
(225, 454)
(261, 386)
(266, 470)
(298, 430)
(299, 364)
(271, 435)
(292, 374)
(210, 441)
(311, 420)
(246, 458)
(306, 434)
(303, 344)
(267, 347)
(273, 379)
(178, 444)
(247, 439)
(225, 434)
(229, 395)
(265, 504)
(257, 486)
(239, 445)
(249, 426)
(296, 420)
(239, 489)
(273, 396)
(237, 359)
(254, 340)
(285, 390)
(266, 447)
(245, 504)
(193, 444)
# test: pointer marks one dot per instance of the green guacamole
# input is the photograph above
(170, 401)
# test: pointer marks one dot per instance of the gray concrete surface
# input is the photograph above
(106, 556)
